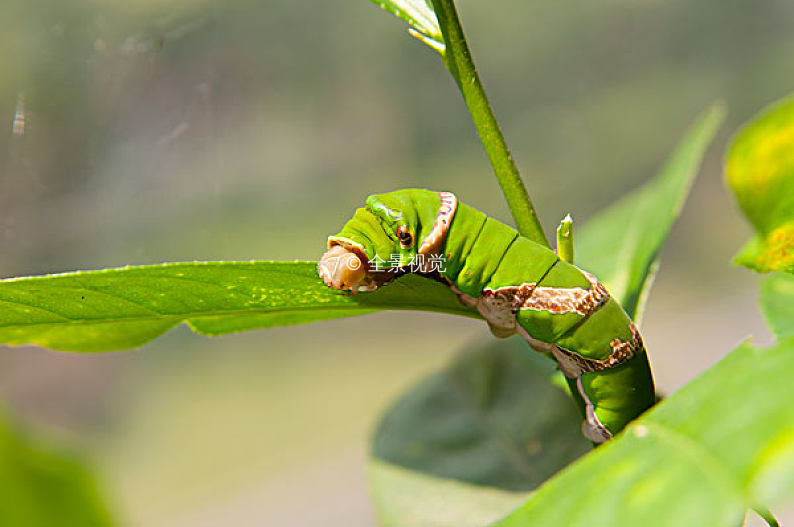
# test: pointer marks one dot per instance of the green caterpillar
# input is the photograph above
(516, 284)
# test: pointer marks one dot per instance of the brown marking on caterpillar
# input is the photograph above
(511, 297)
(499, 307)
(559, 300)
(573, 365)
(433, 241)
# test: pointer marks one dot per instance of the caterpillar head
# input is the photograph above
(392, 234)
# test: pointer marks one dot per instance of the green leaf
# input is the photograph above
(491, 418)
(44, 487)
(124, 308)
(406, 498)
(621, 245)
(777, 303)
(420, 16)
(703, 456)
(759, 168)
(490, 422)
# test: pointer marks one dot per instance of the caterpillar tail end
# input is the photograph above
(592, 428)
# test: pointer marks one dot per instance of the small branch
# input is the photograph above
(565, 239)
(458, 60)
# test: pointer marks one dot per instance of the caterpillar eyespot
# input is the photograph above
(405, 237)
(517, 285)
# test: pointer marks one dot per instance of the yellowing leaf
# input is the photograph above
(759, 168)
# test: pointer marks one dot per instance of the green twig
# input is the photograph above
(458, 60)
(767, 516)
(565, 239)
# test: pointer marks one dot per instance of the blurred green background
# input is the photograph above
(206, 130)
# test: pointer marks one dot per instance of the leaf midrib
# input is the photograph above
(231, 313)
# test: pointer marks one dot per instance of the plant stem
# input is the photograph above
(767, 516)
(458, 61)
(565, 239)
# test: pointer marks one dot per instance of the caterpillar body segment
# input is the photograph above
(516, 284)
